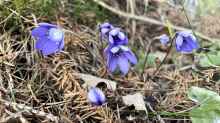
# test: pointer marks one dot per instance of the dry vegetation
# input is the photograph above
(36, 89)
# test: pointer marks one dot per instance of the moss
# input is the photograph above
(80, 11)
(87, 12)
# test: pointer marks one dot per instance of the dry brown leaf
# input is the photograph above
(137, 100)
(92, 81)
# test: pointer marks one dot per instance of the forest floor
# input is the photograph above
(34, 88)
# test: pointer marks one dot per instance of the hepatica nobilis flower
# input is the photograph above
(50, 38)
(96, 96)
(119, 57)
(117, 37)
(185, 42)
(117, 54)
(164, 39)
(105, 28)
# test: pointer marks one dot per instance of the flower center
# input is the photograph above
(118, 50)
(116, 38)
(55, 34)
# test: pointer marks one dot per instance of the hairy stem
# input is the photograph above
(145, 58)
(168, 52)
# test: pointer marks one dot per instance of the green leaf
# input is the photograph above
(209, 59)
(209, 103)
(150, 59)
(200, 94)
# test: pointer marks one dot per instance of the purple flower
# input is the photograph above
(119, 57)
(117, 37)
(50, 38)
(185, 42)
(114, 35)
(105, 28)
(164, 39)
(96, 96)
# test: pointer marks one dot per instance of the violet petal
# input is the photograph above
(112, 65)
(96, 96)
(131, 57)
(50, 47)
(39, 32)
(123, 64)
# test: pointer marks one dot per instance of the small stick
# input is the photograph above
(158, 116)
(145, 58)
(168, 52)
(30, 110)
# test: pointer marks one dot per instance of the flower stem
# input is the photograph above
(168, 52)
(100, 38)
(145, 58)
(188, 20)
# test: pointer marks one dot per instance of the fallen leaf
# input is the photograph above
(136, 99)
(92, 81)
(208, 109)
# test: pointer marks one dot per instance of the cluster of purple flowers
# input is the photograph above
(50, 39)
(117, 54)
(185, 41)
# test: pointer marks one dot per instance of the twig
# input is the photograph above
(17, 115)
(30, 110)
(168, 52)
(133, 22)
(19, 15)
(6, 19)
(151, 20)
(158, 116)
(10, 84)
(146, 57)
